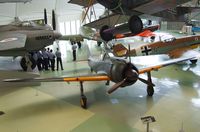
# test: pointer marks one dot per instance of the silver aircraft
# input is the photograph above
(14, 1)
(21, 37)
(119, 71)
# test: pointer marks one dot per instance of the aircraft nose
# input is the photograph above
(57, 35)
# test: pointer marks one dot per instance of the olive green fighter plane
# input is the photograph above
(119, 71)
(21, 37)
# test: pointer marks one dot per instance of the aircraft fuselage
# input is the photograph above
(170, 46)
(36, 39)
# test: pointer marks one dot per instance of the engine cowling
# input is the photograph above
(124, 71)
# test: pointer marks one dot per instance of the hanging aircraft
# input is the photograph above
(106, 34)
(14, 1)
(119, 71)
(123, 9)
(85, 33)
(21, 37)
(173, 47)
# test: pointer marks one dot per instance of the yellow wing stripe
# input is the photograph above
(86, 78)
(150, 69)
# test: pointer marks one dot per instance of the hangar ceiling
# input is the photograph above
(34, 10)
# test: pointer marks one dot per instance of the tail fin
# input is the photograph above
(119, 50)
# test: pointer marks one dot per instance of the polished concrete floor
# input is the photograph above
(54, 106)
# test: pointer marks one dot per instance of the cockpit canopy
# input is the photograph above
(169, 39)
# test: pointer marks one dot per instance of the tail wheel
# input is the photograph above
(24, 64)
(135, 24)
(150, 91)
(83, 102)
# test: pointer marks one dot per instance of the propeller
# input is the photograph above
(146, 82)
(53, 20)
(129, 50)
(45, 16)
(131, 76)
(116, 86)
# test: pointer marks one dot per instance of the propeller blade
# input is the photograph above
(53, 20)
(45, 16)
(116, 86)
(129, 56)
(146, 82)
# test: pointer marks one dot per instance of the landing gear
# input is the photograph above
(28, 63)
(108, 82)
(194, 61)
(83, 99)
(99, 43)
(150, 89)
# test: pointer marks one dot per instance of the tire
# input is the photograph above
(83, 102)
(24, 65)
(150, 91)
(104, 35)
(194, 61)
(135, 24)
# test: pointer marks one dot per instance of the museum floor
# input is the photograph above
(55, 107)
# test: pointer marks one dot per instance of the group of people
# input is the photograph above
(46, 58)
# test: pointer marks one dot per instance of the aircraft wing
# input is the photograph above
(158, 5)
(110, 20)
(166, 63)
(72, 37)
(9, 41)
(183, 51)
(97, 77)
(83, 3)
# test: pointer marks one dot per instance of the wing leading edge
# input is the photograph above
(61, 79)
(166, 63)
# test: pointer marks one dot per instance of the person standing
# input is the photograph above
(46, 59)
(52, 59)
(74, 47)
(39, 60)
(59, 59)
(49, 61)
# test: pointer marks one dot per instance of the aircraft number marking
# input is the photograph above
(43, 37)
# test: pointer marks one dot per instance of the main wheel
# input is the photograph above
(150, 91)
(83, 102)
(24, 64)
(194, 61)
(135, 24)
(106, 36)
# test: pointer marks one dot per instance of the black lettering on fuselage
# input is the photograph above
(43, 37)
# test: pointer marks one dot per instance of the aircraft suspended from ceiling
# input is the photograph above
(14, 1)
(21, 37)
(133, 8)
